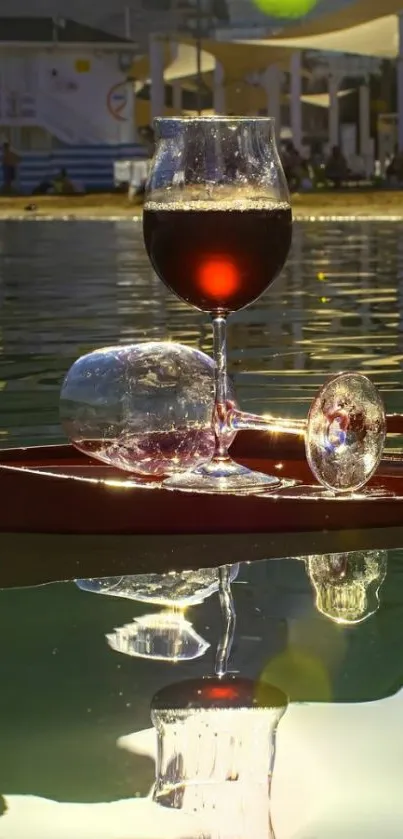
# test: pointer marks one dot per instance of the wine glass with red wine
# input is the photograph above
(217, 228)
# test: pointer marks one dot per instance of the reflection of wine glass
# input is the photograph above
(148, 408)
(216, 752)
(347, 584)
(165, 636)
(175, 588)
(217, 228)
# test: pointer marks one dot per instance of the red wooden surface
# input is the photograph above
(74, 494)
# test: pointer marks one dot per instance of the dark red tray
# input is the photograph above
(55, 489)
(64, 515)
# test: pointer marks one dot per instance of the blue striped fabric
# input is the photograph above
(92, 166)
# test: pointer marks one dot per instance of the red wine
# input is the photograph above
(218, 258)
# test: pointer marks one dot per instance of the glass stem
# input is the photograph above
(240, 420)
(221, 395)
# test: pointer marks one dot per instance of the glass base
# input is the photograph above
(225, 476)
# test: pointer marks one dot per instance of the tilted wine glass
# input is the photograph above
(147, 408)
(144, 408)
(217, 228)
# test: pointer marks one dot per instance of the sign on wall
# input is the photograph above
(82, 65)
(117, 101)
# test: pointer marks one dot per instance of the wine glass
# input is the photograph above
(217, 228)
(147, 408)
(144, 408)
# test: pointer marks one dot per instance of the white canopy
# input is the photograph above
(185, 63)
(378, 38)
(322, 100)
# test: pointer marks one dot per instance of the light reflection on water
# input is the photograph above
(72, 707)
(70, 704)
(66, 288)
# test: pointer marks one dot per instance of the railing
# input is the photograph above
(92, 166)
(65, 122)
(50, 112)
(17, 108)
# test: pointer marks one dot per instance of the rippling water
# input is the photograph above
(67, 698)
(68, 287)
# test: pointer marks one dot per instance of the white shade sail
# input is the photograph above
(185, 63)
(322, 100)
(378, 38)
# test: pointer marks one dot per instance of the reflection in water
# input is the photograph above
(166, 636)
(216, 750)
(338, 753)
(229, 620)
(179, 588)
(347, 584)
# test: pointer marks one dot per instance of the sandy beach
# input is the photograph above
(357, 204)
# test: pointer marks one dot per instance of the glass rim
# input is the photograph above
(215, 118)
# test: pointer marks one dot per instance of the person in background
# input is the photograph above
(10, 164)
(394, 171)
(336, 169)
(292, 165)
(62, 185)
(147, 137)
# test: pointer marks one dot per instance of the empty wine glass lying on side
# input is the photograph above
(148, 409)
(145, 408)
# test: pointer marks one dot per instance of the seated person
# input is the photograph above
(292, 165)
(394, 171)
(62, 185)
(43, 188)
(336, 169)
(147, 137)
(10, 164)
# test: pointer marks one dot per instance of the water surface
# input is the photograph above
(67, 698)
(69, 287)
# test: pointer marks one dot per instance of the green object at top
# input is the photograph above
(285, 8)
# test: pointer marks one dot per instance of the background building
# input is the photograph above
(65, 99)
(139, 18)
